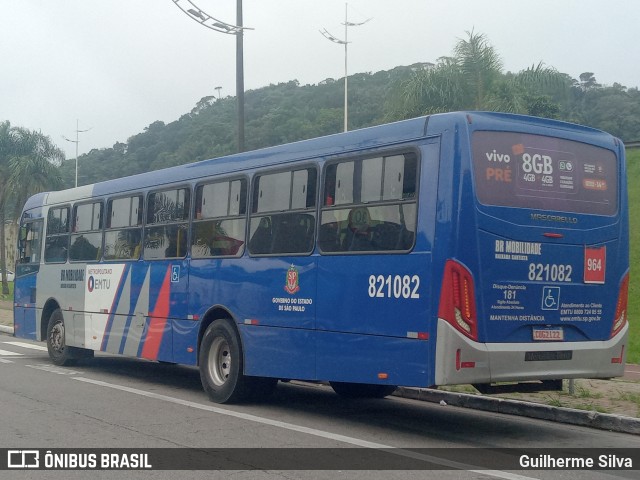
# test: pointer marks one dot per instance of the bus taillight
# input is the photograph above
(457, 300)
(620, 318)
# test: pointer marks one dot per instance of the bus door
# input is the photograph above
(28, 265)
(552, 254)
(374, 285)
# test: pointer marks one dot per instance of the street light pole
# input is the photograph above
(240, 75)
(344, 42)
(346, 75)
(203, 18)
(76, 141)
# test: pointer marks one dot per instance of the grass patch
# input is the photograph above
(591, 407)
(459, 389)
(630, 397)
(585, 392)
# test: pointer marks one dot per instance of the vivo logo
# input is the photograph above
(498, 157)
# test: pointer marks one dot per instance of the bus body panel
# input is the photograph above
(347, 357)
(461, 361)
(534, 284)
(388, 294)
(285, 353)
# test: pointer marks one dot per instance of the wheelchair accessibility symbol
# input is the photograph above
(175, 273)
(550, 298)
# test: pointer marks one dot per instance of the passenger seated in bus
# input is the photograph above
(293, 233)
(358, 236)
(82, 249)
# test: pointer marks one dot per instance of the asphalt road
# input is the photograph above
(117, 402)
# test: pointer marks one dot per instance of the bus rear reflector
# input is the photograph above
(457, 299)
(620, 318)
(460, 364)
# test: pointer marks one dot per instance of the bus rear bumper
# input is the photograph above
(459, 360)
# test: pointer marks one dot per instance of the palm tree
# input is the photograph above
(480, 66)
(28, 165)
(472, 79)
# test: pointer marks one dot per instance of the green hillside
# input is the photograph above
(633, 168)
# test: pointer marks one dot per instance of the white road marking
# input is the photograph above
(4, 360)
(309, 431)
(27, 345)
(7, 353)
(53, 369)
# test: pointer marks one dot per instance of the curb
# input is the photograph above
(5, 329)
(602, 421)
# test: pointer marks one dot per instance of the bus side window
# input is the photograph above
(29, 246)
(57, 239)
(166, 232)
(123, 234)
(369, 205)
(86, 240)
(220, 219)
(283, 212)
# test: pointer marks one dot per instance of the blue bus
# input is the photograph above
(459, 248)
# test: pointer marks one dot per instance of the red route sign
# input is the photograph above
(595, 264)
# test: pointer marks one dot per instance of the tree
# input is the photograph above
(588, 81)
(472, 79)
(28, 165)
(480, 66)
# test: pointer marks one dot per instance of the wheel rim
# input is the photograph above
(57, 337)
(219, 361)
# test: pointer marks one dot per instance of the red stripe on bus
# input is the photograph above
(158, 321)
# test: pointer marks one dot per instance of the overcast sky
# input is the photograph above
(119, 65)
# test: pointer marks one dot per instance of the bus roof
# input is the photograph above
(372, 137)
(340, 143)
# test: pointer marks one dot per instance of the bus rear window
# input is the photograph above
(546, 173)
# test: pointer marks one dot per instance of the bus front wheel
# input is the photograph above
(60, 353)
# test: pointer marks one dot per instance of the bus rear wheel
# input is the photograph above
(362, 390)
(220, 362)
(221, 367)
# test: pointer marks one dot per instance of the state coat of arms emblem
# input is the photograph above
(291, 286)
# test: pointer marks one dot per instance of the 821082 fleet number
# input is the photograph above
(544, 272)
(394, 286)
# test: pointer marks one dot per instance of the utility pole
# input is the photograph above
(344, 42)
(76, 141)
(203, 18)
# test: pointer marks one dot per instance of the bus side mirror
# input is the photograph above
(22, 236)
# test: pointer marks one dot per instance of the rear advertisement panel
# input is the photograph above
(534, 288)
(544, 173)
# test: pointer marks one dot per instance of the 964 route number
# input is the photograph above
(394, 286)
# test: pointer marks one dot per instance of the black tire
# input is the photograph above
(59, 352)
(221, 364)
(362, 390)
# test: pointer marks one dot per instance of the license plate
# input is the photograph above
(548, 334)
